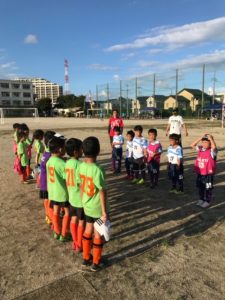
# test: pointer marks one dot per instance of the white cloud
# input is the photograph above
(215, 59)
(31, 39)
(116, 77)
(8, 65)
(179, 36)
(100, 67)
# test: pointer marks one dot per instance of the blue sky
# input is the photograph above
(107, 40)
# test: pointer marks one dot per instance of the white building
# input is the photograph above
(43, 88)
(16, 93)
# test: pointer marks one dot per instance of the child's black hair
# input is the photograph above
(91, 147)
(21, 134)
(16, 126)
(138, 128)
(73, 145)
(116, 129)
(153, 130)
(55, 144)
(174, 137)
(24, 127)
(48, 135)
(38, 134)
(131, 133)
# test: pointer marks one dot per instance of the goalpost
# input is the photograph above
(93, 111)
(18, 112)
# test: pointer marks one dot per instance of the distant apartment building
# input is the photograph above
(43, 88)
(16, 93)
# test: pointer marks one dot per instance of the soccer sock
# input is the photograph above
(50, 212)
(28, 171)
(80, 231)
(73, 231)
(87, 245)
(208, 195)
(65, 225)
(56, 223)
(97, 250)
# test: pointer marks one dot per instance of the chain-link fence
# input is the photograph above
(191, 90)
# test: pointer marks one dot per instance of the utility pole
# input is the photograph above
(127, 103)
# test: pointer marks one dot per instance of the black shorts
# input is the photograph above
(77, 212)
(90, 219)
(43, 194)
(60, 204)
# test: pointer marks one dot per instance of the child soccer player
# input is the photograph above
(56, 184)
(117, 151)
(139, 152)
(29, 142)
(129, 155)
(16, 127)
(74, 150)
(94, 201)
(43, 177)
(205, 166)
(23, 156)
(154, 151)
(175, 164)
(39, 149)
(38, 145)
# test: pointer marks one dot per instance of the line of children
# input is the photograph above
(141, 154)
(76, 187)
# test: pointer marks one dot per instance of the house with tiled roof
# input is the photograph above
(195, 97)
(182, 103)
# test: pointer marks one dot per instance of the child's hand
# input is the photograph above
(104, 217)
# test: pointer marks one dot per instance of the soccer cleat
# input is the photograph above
(104, 229)
(135, 180)
(56, 236)
(96, 268)
(64, 239)
(199, 202)
(205, 204)
(86, 263)
(140, 182)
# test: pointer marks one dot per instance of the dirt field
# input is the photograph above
(163, 246)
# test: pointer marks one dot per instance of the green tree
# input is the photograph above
(70, 101)
(44, 104)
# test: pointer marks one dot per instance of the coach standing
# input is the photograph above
(115, 121)
(175, 125)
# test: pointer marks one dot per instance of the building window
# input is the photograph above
(5, 103)
(15, 94)
(26, 86)
(16, 102)
(15, 85)
(26, 95)
(5, 94)
(4, 85)
(27, 103)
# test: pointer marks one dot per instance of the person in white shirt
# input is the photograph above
(140, 145)
(117, 152)
(175, 164)
(129, 155)
(175, 125)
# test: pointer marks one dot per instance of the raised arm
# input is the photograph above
(195, 143)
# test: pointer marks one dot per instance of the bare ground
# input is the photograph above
(163, 246)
